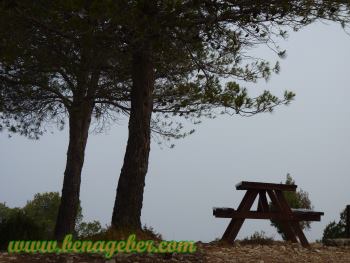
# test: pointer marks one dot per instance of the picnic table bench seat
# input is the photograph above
(309, 215)
(298, 214)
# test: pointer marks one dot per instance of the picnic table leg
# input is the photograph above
(263, 205)
(285, 225)
(295, 224)
(236, 224)
(300, 234)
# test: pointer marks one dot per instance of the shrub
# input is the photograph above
(258, 238)
(298, 199)
(335, 230)
(88, 229)
(36, 220)
(18, 226)
(4, 212)
(44, 209)
(112, 233)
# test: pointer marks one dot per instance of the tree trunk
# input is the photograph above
(129, 197)
(79, 123)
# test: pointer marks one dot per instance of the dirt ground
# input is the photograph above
(274, 253)
(292, 253)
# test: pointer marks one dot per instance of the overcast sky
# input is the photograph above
(308, 139)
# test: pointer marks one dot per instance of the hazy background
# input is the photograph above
(308, 139)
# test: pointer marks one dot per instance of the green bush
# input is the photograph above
(36, 220)
(113, 233)
(335, 230)
(258, 238)
(18, 226)
(4, 211)
(88, 229)
(43, 210)
(298, 199)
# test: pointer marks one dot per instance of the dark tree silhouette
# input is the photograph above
(58, 60)
(208, 40)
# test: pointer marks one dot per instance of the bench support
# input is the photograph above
(236, 224)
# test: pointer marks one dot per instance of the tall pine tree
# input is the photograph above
(203, 41)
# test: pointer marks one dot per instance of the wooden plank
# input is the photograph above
(306, 214)
(300, 234)
(263, 215)
(295, 225)
(221, 211)
(307, 211)
(226, 235)
(246, 197)
(263, 201)
(259, 206)
(236, 224)
(285, 225)
(244, 185)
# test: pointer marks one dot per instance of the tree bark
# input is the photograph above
(79, 123)
(129, 197)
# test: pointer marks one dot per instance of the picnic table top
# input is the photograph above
(245, 185)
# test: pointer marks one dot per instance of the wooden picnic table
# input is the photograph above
(288, 218)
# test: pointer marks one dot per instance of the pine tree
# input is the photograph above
(204, 41)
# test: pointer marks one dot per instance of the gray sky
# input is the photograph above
(309, 139)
